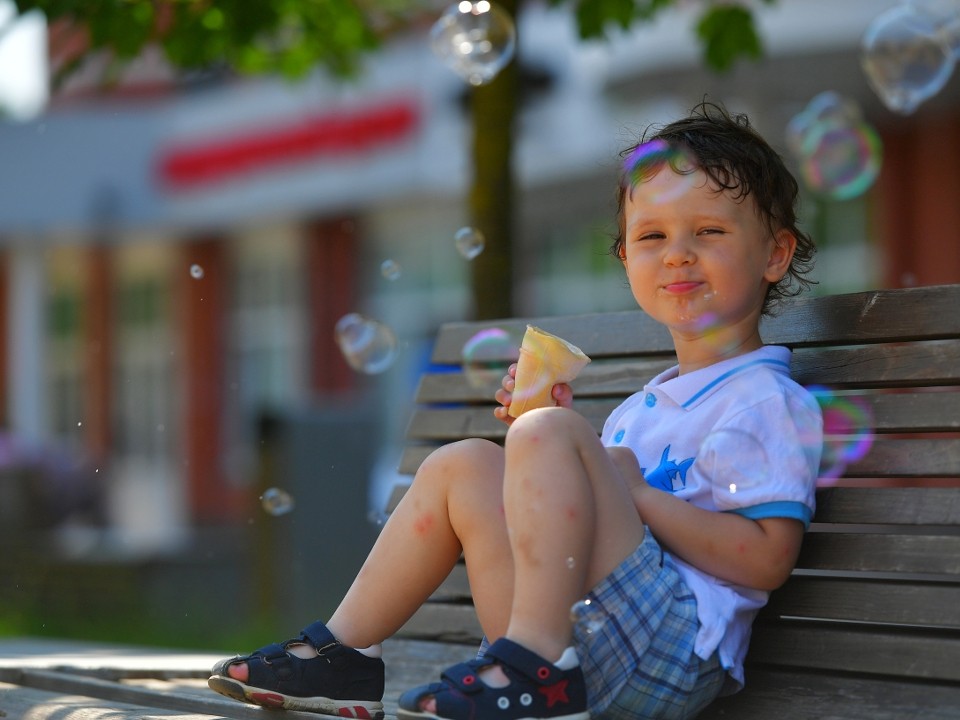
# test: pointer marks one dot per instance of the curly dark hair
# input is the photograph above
(735, 157)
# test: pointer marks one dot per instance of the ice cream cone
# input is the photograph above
(545, 360)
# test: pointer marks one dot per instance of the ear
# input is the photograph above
(781, 254)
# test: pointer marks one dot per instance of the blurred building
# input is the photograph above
(174, 254)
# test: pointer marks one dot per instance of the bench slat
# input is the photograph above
(873, 601)
(867, 317)
(933, 656)
(905, 506)
(918, 365)
(804, 695)
(933, 554)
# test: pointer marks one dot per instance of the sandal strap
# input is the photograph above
(463, 676)
(523, 662)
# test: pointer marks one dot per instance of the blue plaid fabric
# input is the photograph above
(635, 639)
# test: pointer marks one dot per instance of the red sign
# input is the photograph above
(338, 134)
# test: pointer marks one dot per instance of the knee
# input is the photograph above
(543, 424)
(459, 459)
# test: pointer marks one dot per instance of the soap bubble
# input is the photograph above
(647, 159)
(486, 356)
(196, 271)
(735, 462)
(908, 53)
(475, 39)
(367, 345)
(276, 501)
(390, 269)
(847, 431)
(587, 617)
(470, 242)
(839, 153)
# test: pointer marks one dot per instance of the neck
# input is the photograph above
(703, 351)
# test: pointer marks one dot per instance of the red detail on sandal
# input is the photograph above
(555, 693)
(357, 711)
(267, 699)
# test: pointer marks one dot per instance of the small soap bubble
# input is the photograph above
(734, 461)
(839, 153)
(367, 345)
(196, 271)
(908, 54)
(486, 356)
(475, 39)
(390, 269)
(276, 501)
(847, 431)
(587, 617)
(470, 242)
(571, 563)
(647, 159)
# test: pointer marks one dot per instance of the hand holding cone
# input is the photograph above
(545, 360)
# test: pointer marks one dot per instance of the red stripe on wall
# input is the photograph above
(339, 134)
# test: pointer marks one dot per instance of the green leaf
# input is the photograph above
(728, 33)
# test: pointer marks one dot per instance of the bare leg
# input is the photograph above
(571, 520)
(455, 503)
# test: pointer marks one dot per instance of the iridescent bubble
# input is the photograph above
(470, 242)
(486, 356)
(367, 345)
(475, 39)
(847, 431)
(276, 501)
(390, 269)
(839, 153)
(735, 462)
(907, 56)
(196, 271)
(587, 617)
(649, 158)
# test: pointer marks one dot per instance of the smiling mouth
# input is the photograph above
(680, 288)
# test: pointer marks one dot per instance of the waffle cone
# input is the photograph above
(545, 360)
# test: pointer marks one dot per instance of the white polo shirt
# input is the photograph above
(739, 436)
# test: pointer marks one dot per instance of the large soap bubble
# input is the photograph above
(475, 39)
(909, 52)
(367, 345)
(839, 153)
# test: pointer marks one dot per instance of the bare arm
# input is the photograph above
(755, 553)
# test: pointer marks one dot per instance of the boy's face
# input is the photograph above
(699, 260)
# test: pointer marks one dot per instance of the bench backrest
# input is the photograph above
(877, 587)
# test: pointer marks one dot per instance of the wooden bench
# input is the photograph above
(868, 626)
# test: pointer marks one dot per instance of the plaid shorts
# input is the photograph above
(635, 634)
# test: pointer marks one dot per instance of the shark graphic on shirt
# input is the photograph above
(667, 474)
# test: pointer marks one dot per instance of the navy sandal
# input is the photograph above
(340, 681)
(538, 690)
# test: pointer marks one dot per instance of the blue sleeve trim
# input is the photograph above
(779, 508)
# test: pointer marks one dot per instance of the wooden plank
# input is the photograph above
(18, 702)
(629, 332)
(829, 646)
(886, 552)
(900, 365)
(922, 457)
(873, 316)
(446, 622)
(905, 506)
(874, 601)
(868, 317)
(796, 695)
(113, 692)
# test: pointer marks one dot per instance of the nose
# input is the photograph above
(678, 251)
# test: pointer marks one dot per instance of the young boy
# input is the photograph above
(674, 525)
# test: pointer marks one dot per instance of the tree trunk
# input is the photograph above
(493, 108)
